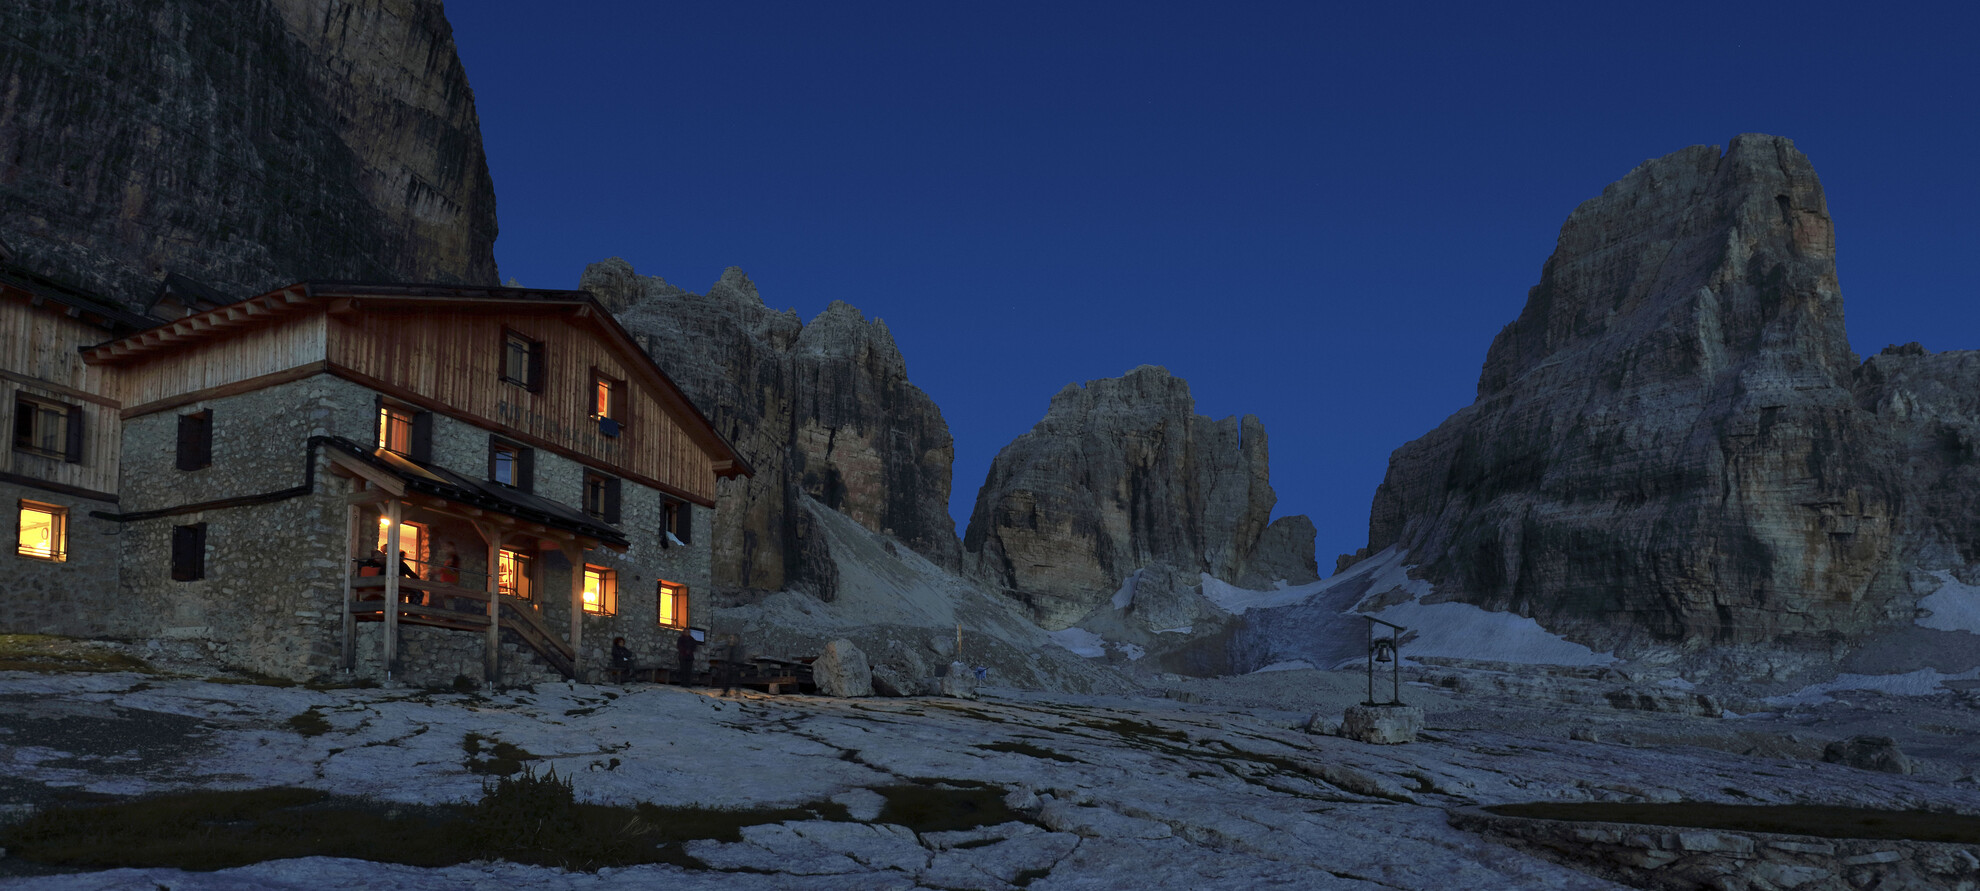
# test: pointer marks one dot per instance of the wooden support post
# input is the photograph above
(575, 554)
(353, 535)
(491, 658)
(394, 512)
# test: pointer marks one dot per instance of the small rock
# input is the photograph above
(1322, 724)
(959, 683)
(1869, 753)
(1382, 724)
(1585, 734)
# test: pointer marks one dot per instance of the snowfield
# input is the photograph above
(1226, 791)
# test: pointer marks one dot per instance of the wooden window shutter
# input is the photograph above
(189, 552)
(195, 440)
(188, 441)
(422, 437)
(536, 362)
(73, 455)
(491, 457)
(526, 469)
(686, 523)
(612, 500)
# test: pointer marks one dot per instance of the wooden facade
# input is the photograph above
(39, 359)
(439, 352)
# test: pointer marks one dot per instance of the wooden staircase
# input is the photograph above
(519, 619)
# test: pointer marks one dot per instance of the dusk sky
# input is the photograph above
(1319, 214)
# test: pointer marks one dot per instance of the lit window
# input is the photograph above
(44, 531)
(673, 605)
(513, 572)
(605, 398)
(601, 591)
(395, 429)
(43, 428)
(410, 535)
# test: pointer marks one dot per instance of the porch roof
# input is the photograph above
(431, 479)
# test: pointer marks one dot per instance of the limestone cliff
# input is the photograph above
(245, 143)
(1674, 446)
(1122, 477)
(823, 410)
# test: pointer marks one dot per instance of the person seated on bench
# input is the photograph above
(622, 660)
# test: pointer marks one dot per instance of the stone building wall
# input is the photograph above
(272, 593)
(272, 596)
(71, 597)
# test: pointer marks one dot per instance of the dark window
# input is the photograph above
(189, 552)
(601, 497)
(510, 464)
(48, 428)
(196, 440)
(677, 521)
(522, 361)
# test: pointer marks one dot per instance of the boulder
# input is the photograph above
(841, 670)
(959, 682)
(1386, 725)
(1879, 753)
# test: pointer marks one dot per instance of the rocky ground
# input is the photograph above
(1191, 783)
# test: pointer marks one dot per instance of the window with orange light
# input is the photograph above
(604, 397)
(43, 531)
(673, 605)
(412, 541)
(395, 429)
(601, 591)
(514, 572)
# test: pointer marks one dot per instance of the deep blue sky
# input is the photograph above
(1316, 213)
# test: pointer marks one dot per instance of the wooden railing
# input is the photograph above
(443, 605)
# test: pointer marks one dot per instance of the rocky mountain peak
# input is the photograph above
(1673, 445)
(823, 411)
(1704, 259)
(1120, 477)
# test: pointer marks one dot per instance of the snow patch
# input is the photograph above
(1235, 600)
(1461, 630)
(1954, 607)
(1080, 641)
(1287, 665)
(1130, 650)
(1923, 682)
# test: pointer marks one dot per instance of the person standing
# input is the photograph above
(732, 663)
(684, 647)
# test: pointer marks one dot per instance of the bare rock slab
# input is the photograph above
(1385, 725)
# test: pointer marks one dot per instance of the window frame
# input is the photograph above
(677, 518)
(59, 534)
(607, 507)
(608, 590)
(665, 591)
(30, 407)
(525, 573)
(387, 414)
(530, 376)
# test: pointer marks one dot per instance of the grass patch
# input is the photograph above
(946, 806)
(523, 818)
(1791, 819)
(503, 759)
(309, 723)
(1024, 748)
(47, 652)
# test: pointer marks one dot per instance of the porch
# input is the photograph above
(428, 547)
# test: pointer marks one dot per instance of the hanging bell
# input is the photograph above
(1385, 651)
